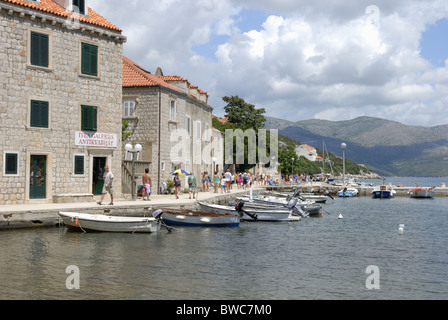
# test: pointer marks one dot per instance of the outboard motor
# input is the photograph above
(239, 206)
(291, 203)
(157, 214)
(297, 209)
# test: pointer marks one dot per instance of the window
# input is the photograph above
(188, 125)
(89, 117)
(206, 133)
(11, 163)
(80, 5)
(172, 110)
(198, 130)
(89, 59)
(79, 165)
(129, 155)
(129, 108)
(39, 114)
(39, 50)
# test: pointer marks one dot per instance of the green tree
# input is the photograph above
(244, 114)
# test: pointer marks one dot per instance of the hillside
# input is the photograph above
(388, 147)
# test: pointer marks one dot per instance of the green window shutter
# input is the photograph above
(94, 118)
(89, 118)
(80, 4)
(39, 49)
(89, 62)
(11, 163)
(39, 114)
(79, 164)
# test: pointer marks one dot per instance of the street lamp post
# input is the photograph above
(134, 150)
(292, 166)
(343, 146)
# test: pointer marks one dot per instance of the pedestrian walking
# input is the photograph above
(108, 178)
(192, 185)
(176, 185)
(228, 178)
(146, 179)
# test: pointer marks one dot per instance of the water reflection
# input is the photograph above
(323, 258)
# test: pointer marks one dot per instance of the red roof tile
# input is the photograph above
(136, 76)
(52, 7)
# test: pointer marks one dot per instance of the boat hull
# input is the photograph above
(269, 215)
(198, 219)
(83, 222)
(382, 194)
(350, 192)
(424, 194)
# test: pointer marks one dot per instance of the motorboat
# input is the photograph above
(383, 192)
(200, 218)
(85, 222)
(424, 193)
(268, 214)
(348, 192)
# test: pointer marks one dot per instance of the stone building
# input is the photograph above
(308, 152)
(172, 120)
(60, 101)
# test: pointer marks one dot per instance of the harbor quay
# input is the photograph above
(46, 214)
(321, 187)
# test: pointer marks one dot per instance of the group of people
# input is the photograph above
(223, 181)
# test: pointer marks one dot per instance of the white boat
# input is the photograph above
(383, 192)
(419, 192)
(200, 219)
(85, 222)
(312, 209)
(348, 192)
(266, 200)
(270, 215)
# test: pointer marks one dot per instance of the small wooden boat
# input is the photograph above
(348, 192)
(383, 192)
(313, 210)
(269, 215)
(424, 193)
(85, 222)
(200, 219)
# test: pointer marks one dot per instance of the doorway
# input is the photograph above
(98, 170)
(38, 177)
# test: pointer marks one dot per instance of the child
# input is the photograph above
(223, 184)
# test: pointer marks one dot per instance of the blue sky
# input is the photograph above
(246, 20)
(435, 43)
(299, 59)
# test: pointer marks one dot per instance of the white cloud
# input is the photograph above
(319, 59)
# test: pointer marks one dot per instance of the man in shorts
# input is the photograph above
(192, 185)
(108, 186)
(146, 185)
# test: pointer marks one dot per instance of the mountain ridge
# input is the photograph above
(388, 147)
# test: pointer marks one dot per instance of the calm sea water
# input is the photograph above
(316, 258)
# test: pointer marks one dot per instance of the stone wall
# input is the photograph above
(195, 156)
(66, 90)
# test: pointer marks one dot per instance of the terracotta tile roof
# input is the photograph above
(49, 6)
(308, 147)
(136, 76)
(174, 78)
(222, 120)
